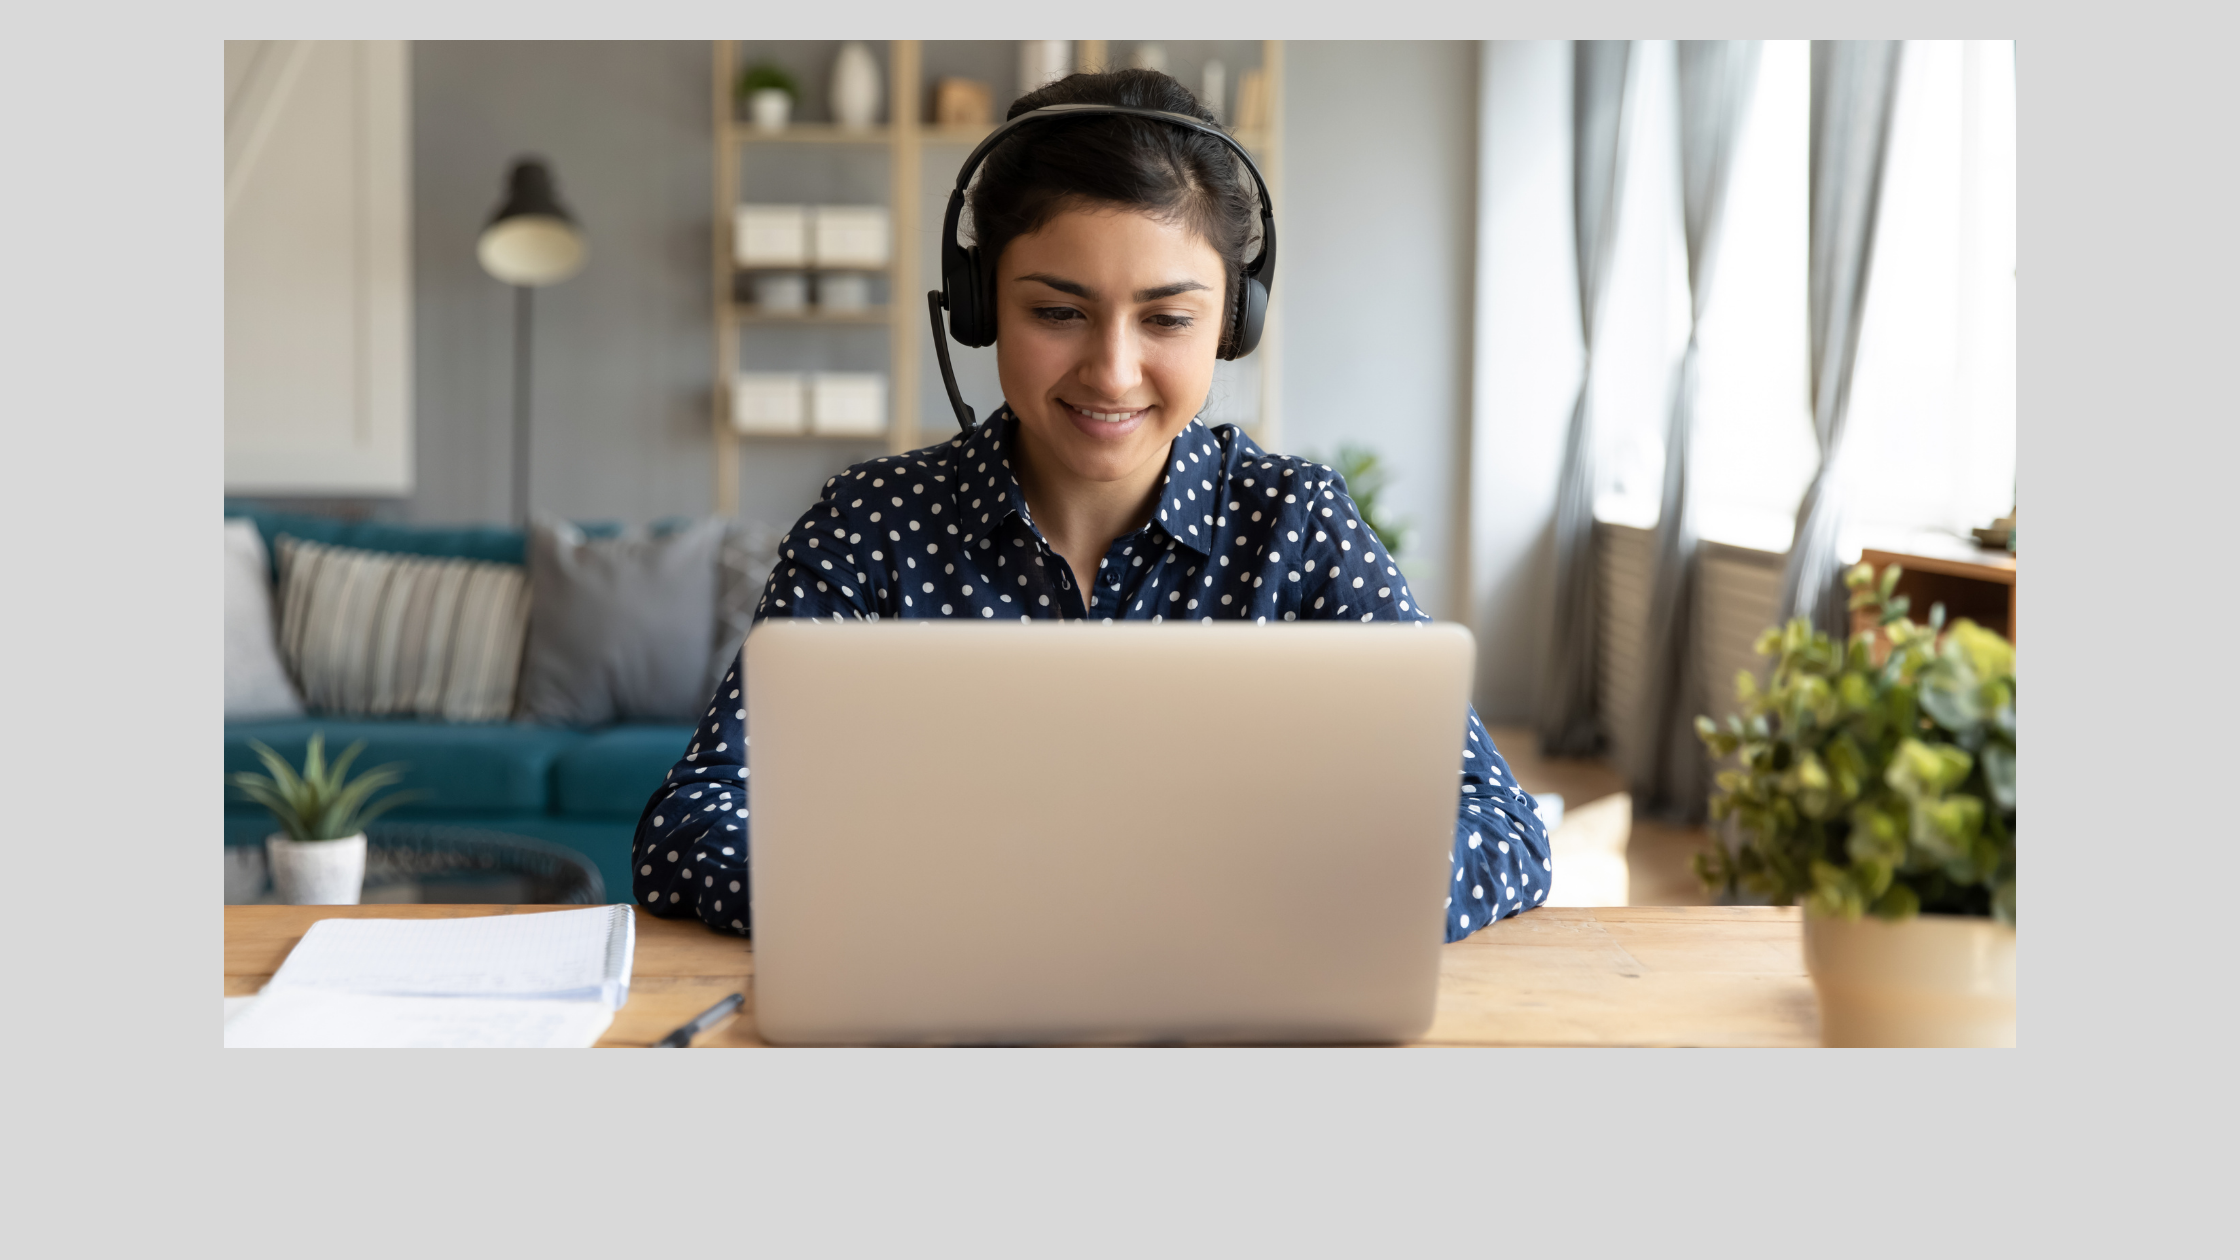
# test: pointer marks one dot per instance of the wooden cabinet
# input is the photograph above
(1968, 581)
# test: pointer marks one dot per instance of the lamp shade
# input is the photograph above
(531, 240)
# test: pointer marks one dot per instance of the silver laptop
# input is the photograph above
(1070, 832)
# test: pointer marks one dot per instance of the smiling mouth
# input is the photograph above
(1106, 417)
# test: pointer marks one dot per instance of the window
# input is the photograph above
(1931, 431)
(1932, 424)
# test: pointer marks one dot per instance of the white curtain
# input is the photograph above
(1854, 84)
(1598, 118)
(1716, 78)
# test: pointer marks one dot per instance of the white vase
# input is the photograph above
(1933, 980)
(771, 108)
(317, 872)
(855, 86)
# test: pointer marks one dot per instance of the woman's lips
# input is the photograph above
(1105, 424)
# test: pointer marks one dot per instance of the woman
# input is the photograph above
(1094, 491)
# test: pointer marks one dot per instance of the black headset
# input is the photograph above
(968, 277)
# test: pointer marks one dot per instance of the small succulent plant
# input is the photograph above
(321, 802)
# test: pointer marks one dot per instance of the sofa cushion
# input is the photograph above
(380, 634)
(612, 773)
(619, 628)
(461, 768)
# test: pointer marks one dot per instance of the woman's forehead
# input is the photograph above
(1086, 243)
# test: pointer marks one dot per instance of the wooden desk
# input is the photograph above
(1626, 976)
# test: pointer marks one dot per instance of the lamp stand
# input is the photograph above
(521, 329)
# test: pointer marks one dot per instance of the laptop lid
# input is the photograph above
(1076, 832)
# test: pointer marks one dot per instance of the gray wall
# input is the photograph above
(622, 349)
(1377, 230)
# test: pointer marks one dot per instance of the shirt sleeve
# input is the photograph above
(1501, 861)
(689, 856)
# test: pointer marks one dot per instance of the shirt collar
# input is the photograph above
(1193, 461)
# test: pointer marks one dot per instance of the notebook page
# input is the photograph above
(584, 955)
(306, 1018)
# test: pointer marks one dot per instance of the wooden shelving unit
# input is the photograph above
(904, 139)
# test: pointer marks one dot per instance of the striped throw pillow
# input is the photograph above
(375, 633)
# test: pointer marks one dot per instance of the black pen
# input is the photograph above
(700, 1023)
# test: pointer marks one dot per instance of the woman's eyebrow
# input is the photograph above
(1169, 290)
(1142, 295)
(1062, 286)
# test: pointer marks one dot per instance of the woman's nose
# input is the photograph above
(1114, 366)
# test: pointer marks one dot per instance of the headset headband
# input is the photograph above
(967, 278)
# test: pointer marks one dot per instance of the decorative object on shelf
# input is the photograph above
(770, 236)
(855, 87)
(781, 292)
(962, 103)
(1877, 777)
(769, 93)
(1213, 88)
(850, 236)
(1043, 61)
(1252, 102)
(318, 857)
(531, 241)
(1149, 57)
(769, 402)
(843, 292)
(2000, 537)
(849, 404)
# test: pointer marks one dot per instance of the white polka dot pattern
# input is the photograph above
(946, 532)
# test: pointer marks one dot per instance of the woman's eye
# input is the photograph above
(1056, 314)
(1172, 321)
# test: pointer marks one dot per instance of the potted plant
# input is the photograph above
(769, 93)
(318, 856)
(1875, 784)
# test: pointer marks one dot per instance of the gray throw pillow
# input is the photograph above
(618, 627)
(750, 551)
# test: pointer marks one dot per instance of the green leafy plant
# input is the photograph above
(321, 803)
(1365, 480)
(762, 75)
(1871, 781)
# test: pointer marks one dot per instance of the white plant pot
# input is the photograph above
(1933, 980)
(317, 872)
(855, 87)
(770, 108)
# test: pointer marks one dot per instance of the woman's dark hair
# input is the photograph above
(1133, 163)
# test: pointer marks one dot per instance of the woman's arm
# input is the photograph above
(689, 856)
(1501, 860)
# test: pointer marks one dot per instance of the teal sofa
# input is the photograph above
(578, 788)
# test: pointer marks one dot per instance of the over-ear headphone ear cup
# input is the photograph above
(1252, 312)
(971, 305)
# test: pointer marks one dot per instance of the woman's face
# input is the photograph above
(1107, 321)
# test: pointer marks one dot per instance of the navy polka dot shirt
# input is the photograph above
(946, 532)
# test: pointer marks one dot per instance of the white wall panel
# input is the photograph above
(318, 268)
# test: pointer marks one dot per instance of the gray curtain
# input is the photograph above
(1598, 115)
(1854, 84)
(1716, 77)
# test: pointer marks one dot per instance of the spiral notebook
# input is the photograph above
(552, 979)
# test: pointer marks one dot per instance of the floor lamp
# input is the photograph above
(531, 241)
